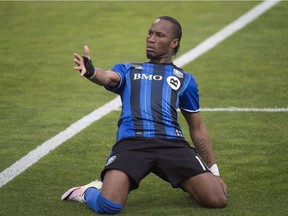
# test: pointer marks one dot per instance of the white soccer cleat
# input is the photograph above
(77, 193)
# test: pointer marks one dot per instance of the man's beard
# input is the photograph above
(150, 55)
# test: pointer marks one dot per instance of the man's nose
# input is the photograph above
(151, 38)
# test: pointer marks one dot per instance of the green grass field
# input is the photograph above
(41, 95)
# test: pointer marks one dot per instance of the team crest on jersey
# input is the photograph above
(178, 73)
(111, 160)
(173, 82)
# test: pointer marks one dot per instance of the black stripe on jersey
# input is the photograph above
(135, 94)
(178, 72)
(173, 101)
(156, 98)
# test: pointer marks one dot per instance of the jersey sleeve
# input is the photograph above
(121, 69)
(189, 97)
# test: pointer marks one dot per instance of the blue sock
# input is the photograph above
(100, 204)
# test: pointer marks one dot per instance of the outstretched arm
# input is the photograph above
(95, 74)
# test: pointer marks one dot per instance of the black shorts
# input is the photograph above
(172, 160)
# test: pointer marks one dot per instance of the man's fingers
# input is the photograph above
(79, 68)
(83, 71)
(86, 51)
(77, 62)
(77, 56)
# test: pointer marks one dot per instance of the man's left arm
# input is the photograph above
(201, 140)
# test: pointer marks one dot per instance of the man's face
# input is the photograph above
(160, 41)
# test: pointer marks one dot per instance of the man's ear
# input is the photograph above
(174, 43)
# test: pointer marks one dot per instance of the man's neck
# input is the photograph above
(161, 61)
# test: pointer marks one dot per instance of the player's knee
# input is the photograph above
(213, 201)
(218, 202)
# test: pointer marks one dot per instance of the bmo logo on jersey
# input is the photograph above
(173, 82)
(147, 77)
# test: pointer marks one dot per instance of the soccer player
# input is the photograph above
(149, 137)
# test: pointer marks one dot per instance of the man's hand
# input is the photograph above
(223, 185)
(84, 64)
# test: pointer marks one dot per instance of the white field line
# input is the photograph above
(32, 157)
(237, 109)
(225, 32)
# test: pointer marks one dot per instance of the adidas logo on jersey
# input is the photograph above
(137, 67)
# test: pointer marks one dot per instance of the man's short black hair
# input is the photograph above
(177, 30)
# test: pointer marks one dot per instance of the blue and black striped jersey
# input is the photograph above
(151, 94)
